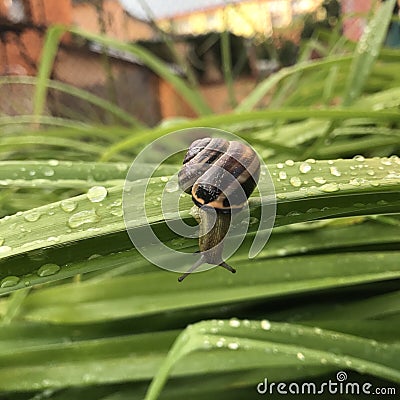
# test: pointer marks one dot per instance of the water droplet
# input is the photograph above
(289, 163)
(48, 269)
(246, 323)
(122, 167)
(32, 216)
(329, 187)
(220, 342)
(9, 281)
(359, 158)
(319, 179)
(304, 168)
(282, 175)
(116, 211)
(311, 160)
(266, 325)
(234, 323)
(300, 356)
(233, 346)
(295, 181)
(386, 161)
(279, 165)
(4, 250)
(48, 172)
(164, 179)
(281, 196)
(253, 221)
(382, 203)
(68, 205)
(371, 172)
(97, 194)
(53, 239)
(84, 217)
(172, 186)
(355, 182)
(32, 173)
(335, 171)
(53, 163)
(318, 331)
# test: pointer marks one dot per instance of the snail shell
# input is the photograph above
(220, 175)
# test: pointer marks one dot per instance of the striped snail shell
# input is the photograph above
(220, 175)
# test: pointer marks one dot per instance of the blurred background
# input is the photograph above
(264, 36)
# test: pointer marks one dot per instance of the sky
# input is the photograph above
(167, 8)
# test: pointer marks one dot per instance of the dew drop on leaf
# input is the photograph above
(335, 171)
(234, 323)
(32, 216)
(289, 163)
(304, 168)
(9, 281)
(68, 205)
(116, 211)
(355, 182)
(386, 161)
(300, 356)
(295, 181)
(172, 186)
(329, 187)
(83, 217)
(233, 346)
(266, 325)
(282, 175)
(96, 194)
(48, 172)
(48, 269)
(4, 250)
(359, 158)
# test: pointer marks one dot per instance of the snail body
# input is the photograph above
(220, 175)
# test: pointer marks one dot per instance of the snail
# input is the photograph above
(220, 175)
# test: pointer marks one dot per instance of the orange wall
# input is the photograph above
(116, 22)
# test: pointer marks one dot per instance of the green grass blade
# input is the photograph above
(275, 340)
(49, 52)
(264, 87)
(367, 51)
